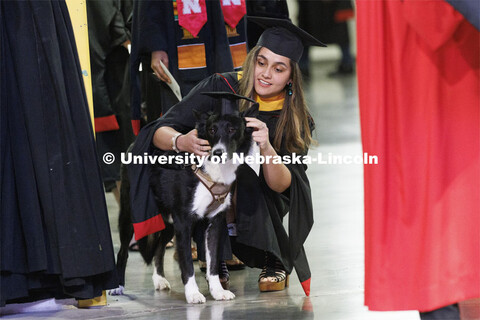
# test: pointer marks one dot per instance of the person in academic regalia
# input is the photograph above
(109, 37)
(418, 76)
(191, 44)
(272, 77)
(54, 229)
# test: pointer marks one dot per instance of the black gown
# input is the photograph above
(108, 29)
(55, 235)
(259, 210)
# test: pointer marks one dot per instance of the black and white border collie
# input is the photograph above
(187, 195)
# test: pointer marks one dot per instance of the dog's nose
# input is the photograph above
(218, 152)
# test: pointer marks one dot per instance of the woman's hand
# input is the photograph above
(260, 135)
(158, 56)
(190, 142)
(277, 176)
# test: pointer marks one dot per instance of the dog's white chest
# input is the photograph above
(202, 200)
(224, 173)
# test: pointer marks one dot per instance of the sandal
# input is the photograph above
(273, 276)
(235, 263)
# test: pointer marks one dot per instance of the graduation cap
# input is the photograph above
(229, 101)
(282, 37)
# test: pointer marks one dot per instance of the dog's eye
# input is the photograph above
(212, 130)
(232, 130)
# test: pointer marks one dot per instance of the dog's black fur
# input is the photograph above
(175, 191)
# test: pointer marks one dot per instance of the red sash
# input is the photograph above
(192, 15)
(233, 11)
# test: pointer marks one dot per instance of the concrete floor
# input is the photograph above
(334, 247)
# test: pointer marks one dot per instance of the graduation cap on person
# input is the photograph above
(284, 38)
(229, 102)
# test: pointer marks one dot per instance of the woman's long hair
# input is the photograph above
(293, 125)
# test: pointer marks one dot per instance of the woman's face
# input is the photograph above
(272, 73)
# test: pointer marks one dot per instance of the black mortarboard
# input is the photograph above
(283, 37)
(229, 101)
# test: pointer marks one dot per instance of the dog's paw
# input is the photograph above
(117, 292)
(195, 297)
(221, 294)
(160, 283)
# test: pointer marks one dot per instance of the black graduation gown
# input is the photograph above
(55, 235)
(156, 28)
(259, 210)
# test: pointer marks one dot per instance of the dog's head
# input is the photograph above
(225, 128)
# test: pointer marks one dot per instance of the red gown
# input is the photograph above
(418, 74)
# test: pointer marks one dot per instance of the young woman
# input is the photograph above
(272, 77)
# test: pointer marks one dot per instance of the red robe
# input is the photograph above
(418, 75)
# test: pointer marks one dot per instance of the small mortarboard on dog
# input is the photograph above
(229, 101)
(284, 38)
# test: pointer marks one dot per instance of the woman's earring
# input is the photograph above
(289, 89)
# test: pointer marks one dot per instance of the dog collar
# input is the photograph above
(219, 191)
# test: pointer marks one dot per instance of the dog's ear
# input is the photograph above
(251, 112)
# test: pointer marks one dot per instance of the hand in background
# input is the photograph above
(158, 56)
